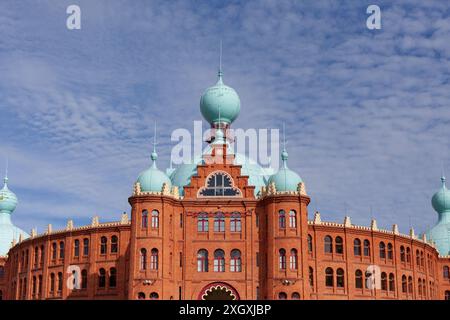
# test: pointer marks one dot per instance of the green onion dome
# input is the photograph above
(440, 233)
(8, 231)
(153, 179)
(220, 103)
(285, 179)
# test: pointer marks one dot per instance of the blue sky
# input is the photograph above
(367, 112)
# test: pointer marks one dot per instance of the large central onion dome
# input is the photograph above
(220, 103)
(440, 233)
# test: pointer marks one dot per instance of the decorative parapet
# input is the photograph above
(49, 228)
(302, 189)
(424, 237)
(347, 222)
(317, 219)
(412, 234)
(373, 225)
(33, 233)
(124, 218)
(395, 229)
(165, 191)
(272, 189)
(176, 192)
(69, 226)
(20, 238)
(95, 221)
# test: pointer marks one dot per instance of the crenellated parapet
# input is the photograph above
(166, 190)
(271, 190)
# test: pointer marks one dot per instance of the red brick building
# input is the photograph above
(215, 236)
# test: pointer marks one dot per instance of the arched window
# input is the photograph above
(235, 222)
(101, 278)
(52, 282)
(339, 245)
(202, 260)
(114, 244)
(328, 244)
(40, 284)
(219, 222)
(383, 281)
(103, 245)
(61, 250)
(404, 284)
(357, 247)
(143, 259)
(358, 279)
(310, 243)
(141, 296)
(340, 280)
(329, 282)
(390, 253)
(295, 296)
(447, 295)
(144, 219)
(60, 281)
(36, 257)
(366, 248)
(282, 219)
(293, 259)
(311, 277)
(408, 255)
(422, 259)
(391, 282)
(76, 248)
(282, 259)
(34, 286)
(420, 286)
(154, 296)
(410, 285)
(219, 184)
(235, 263)
(85, 247)
(402, 254)
(292, 219)
(112, 277)
(219, 260)
(202, 222)
(382, 250)
(446, 272)
(417, 258)
(155, 219)
(154, 259)
(282, 296)
(2, 272)
(41, 261)
(84, 279)
(54, 253)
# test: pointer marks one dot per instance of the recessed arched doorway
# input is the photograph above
(218, 291)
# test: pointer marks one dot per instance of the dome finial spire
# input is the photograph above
(154, 155)
(220, 73)
(284, 153)
(443, 181)
(5, 179)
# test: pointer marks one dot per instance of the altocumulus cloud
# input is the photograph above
(366, 112)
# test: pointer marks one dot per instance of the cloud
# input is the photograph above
(367, 112)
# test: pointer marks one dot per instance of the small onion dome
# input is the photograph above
(285, 179)
(8, 200)
(441, 199)
(153, 179)
(220, 103)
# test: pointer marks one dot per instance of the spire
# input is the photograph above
(220, 73)
(443, 182)
(154, 155)
(5, 179)
(284, 153)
